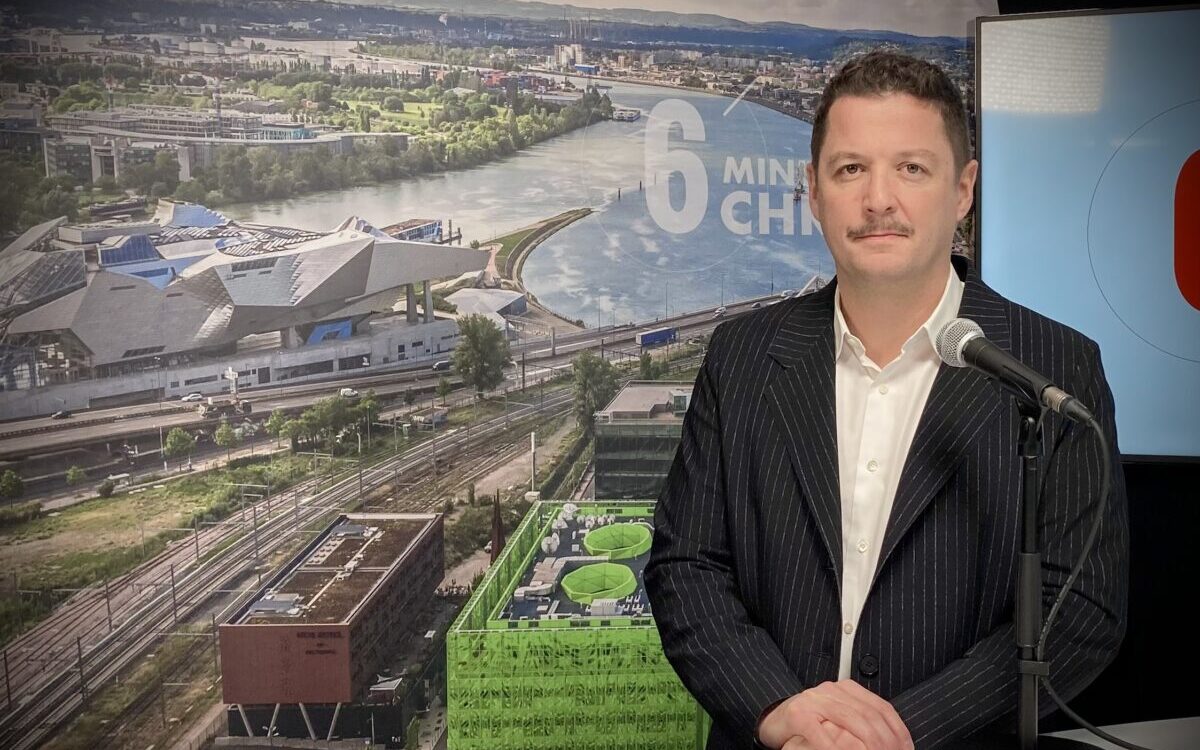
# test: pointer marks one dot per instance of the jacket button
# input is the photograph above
(868, 665)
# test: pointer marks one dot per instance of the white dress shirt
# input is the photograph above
(877, 414)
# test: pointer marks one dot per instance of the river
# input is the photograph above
(633, 258)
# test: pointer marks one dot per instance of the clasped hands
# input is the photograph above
(840, 715)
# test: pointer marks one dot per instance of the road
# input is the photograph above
(22, 438)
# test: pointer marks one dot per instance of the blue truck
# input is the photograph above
(656, 336)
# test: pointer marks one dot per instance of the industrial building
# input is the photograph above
(637, 436)
(155, 309)
(557, 647)
(311, 647)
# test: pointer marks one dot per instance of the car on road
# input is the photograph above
(786, 293)
(193, 396)
(347, 393)
(756, 305)
(440, 365)
(719, 311)
(61, 414)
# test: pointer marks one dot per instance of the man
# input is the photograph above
(835, 548)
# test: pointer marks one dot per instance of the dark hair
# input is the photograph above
(877, 73)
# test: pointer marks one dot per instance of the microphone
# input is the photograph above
(961, 343)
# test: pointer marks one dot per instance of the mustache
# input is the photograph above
(863, 231)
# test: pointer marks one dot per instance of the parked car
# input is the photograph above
(443, 364)
(719, 311)
(62, 414)
(193, 396)
(348, 393)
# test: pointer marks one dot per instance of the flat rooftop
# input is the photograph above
(546, 566)
(337, 572)
(653, 399)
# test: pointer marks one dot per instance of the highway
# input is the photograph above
(23, 438)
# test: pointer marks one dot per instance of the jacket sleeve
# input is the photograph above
(981, 687)
(731, 665)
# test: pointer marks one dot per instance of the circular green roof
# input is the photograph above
(599, 581)
(620, 541)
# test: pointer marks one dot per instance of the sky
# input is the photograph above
(921, 17)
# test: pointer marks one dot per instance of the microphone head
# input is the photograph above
(952, 337)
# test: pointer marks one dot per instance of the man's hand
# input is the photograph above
(841, 715)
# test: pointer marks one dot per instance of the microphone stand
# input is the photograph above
(1028, 616)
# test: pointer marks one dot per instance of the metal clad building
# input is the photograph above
(637, 436)
(319, 630)
(557, 647)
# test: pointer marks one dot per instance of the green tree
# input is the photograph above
(595, 384)
(275, 424)
(367, 411)
(106, 488)
(75, 476)
(481, 354)
(444, 388)
(650, 368)
(409, 398)
(226, 438)
(11, 486)
(327, 417)
(292, 429)
(179, 443)
(393, 104)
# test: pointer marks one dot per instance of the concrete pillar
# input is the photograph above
(428, 301)
(291, 338)
(410, 303)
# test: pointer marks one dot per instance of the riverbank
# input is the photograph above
(510, 265)
(768, 103)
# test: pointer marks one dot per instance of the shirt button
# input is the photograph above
(862, 545)
(847, 628)
(883, 389)
(872, 465)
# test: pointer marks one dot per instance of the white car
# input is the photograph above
(193, 396)
(348, 393)
(719, 311)
(786, 293)
(756, 305)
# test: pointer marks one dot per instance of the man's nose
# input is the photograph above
(881, 195)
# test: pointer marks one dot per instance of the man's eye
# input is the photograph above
(919, 168)
(849, 166)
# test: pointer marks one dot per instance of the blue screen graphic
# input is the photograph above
(1085, 124)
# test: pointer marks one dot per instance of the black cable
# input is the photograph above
(1105, 490)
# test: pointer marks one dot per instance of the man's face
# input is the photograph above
(886, 191)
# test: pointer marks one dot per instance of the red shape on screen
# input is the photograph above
(1187, 230)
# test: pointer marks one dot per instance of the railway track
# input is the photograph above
(97, 633)
(53, 670)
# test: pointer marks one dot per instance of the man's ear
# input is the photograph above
(966, 188)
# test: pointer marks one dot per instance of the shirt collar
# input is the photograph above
(946, 310)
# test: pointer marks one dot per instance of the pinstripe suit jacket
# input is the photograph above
(744, 574)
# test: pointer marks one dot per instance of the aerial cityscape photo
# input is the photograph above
(345, 349)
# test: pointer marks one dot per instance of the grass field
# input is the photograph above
(414, 112)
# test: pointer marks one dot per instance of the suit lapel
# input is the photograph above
(801, 397)
(960, 404)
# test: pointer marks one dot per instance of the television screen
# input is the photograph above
(1089, 198)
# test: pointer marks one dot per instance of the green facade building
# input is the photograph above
(534, 663)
